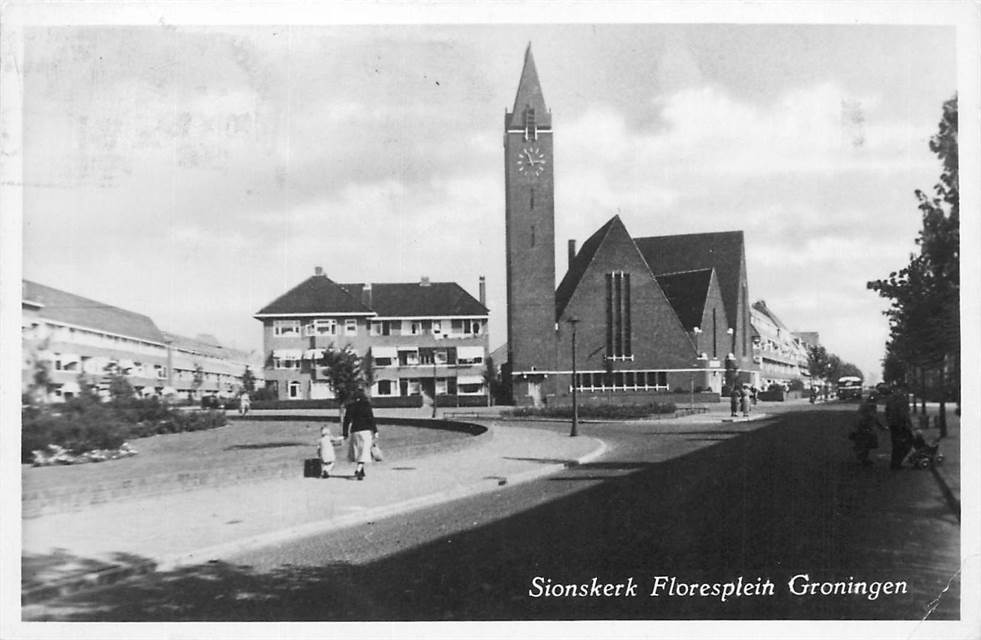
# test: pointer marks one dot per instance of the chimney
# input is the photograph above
(572, 252)
(366, 295)
(318, 271)
(424, 281)
(482, 288)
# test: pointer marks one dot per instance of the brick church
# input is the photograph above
(654, 314)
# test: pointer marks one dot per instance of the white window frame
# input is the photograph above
(324, 327)
(293, 390)
(393, 388)
(469, 360)
(287, 328)
(284, 363)
(351, 327)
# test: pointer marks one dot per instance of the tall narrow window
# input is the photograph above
(531, 201)
(715, 338)
(618, 326)
(533, 235)
(531, 130)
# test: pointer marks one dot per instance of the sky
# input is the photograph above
(196, 173)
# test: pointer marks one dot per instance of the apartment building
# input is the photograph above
(780, 353)
(424, 339)
(81, 341)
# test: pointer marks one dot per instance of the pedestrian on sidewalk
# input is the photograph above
(244, 404)
(734, 400)
(325, 449)
(744, 400)
(900, 425)
(359, 424)
(864, 435)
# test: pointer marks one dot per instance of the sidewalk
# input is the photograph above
(71, 551)
(948, 473)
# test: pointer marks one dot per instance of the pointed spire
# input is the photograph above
(529, 97)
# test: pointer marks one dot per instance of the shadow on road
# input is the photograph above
(783, 500)
(267, 445)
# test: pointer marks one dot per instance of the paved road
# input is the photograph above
(765, 501)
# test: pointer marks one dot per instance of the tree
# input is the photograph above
(248, 380)
(817, 361)
(198, 379)
(346, 373)
(924, 313)
(492, 378)
(849, 369)
(120, 390)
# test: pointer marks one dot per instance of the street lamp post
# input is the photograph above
(575, 391)
(435, 390)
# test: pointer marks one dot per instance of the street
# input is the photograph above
(754, 503)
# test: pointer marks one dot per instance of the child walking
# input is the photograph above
(325, 448)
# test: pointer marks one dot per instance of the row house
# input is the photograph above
(780, 353)
(78, 340)
(424, 339)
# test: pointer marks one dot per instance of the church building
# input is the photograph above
(641, 315)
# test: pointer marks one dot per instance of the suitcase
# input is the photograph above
(312, 468)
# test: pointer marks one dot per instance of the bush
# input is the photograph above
(85, 424)
(796, 384)
(599, 412)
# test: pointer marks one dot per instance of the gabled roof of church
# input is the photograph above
(316, 294)
(529, 95)
(579, 265)
(687, 292)
(415, 299)
(722, 251)
(69, 308)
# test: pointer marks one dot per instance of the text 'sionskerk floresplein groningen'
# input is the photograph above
(673, 587)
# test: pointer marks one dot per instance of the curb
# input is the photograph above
(113, 574)
(952, 501)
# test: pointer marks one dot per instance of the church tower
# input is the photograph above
(530, 244)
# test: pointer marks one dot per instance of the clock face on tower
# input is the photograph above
(531, 161)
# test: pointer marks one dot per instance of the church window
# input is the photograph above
(531, 201)
(533, 235)
(618, 327)
(531, 130)
(715, 339)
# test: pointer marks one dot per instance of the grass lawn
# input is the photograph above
(241, 443)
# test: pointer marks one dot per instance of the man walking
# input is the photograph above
(900, 425)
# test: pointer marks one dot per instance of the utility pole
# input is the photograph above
(575, 391)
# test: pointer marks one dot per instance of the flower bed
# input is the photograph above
(53, 454)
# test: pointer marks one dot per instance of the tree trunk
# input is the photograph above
(942, 418)
(922, 391)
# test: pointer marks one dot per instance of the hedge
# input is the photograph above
(602, 412)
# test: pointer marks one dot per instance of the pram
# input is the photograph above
(924, 453)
